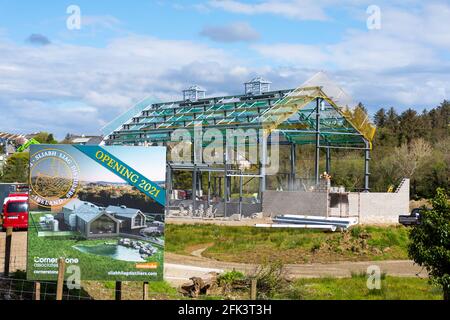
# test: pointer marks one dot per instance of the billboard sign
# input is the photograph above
(101, 208)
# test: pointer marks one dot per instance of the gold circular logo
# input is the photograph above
(54, 177)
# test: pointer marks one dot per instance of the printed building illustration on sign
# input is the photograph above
(93, 221)
(82, 209)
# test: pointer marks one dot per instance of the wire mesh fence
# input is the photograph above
(18, 258)
(15, 288)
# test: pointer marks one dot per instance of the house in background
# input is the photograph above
(85, 140)
(132, 220)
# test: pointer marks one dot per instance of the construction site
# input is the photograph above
(280, 127)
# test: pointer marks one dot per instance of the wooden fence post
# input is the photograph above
(37, 291)
(118, 290)
(253, 289)
(60, 282)
(8, 243)
(145, 291)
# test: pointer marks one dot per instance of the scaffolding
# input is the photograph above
(318, 113)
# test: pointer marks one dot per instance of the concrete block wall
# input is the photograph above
(381, 207)
(370, 207)
(295, 202)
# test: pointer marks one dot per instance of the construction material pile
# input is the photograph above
(311, 222)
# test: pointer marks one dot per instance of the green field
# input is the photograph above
(250, 244)
(93, 267)
(355, 288)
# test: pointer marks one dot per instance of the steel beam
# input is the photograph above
(345, 148)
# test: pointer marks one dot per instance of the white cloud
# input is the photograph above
(428, 26)
(404, 64)
(294, 9)
(297, 54)
(66, 88)
(234, 32)
(101, 21)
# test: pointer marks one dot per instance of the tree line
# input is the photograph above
(412, 145)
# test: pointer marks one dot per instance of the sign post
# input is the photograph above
(9, 233)
(118, 292)
(145, 291)
(37, 291)
(60, 282)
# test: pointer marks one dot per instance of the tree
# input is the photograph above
(380, 118)
(362, 107)
(409, 126)
(430, 242)
(45, 137)
(408, 158)
(392, 119)
(16, 168)
(67, 139)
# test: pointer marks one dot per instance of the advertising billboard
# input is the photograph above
(101, 208)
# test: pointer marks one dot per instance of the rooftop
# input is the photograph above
(292, 112)
(79, 206)
(122, 211)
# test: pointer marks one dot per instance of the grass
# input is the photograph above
(355, 288)
(131, 290)
(22, 289)
(249, 244)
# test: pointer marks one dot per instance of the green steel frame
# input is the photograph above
(156, 122)
(304, 116)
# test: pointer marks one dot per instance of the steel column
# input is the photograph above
(194, 187)
(328, 161)
(169, 187)
(225, 184)
(263, 161)
(293, 161)
(209, 188)
(241, 185)
(317, 159)
(366, 166)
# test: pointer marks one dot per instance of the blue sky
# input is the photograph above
(76, 81)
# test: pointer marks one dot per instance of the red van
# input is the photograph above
(15, 211)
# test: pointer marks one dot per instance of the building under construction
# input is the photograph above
(317, 116)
